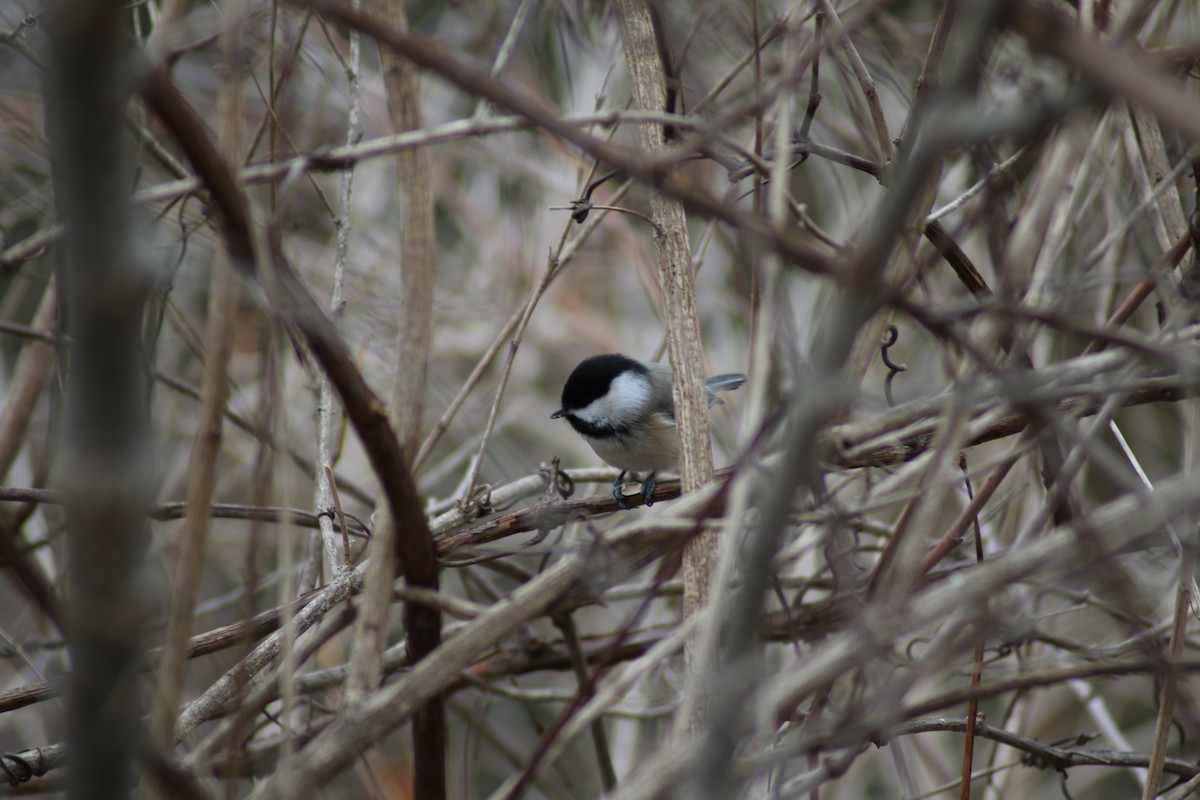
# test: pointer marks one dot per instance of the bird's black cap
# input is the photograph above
(590, 380)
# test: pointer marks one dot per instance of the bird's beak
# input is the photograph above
(557, 414)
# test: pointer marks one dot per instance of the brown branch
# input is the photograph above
(206, 446)
(551, 514)
(557, 512)
(806, 622)
(940, 238)
(676, 282)
(418, 259)
(292, 302)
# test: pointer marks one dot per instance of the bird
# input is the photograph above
(623, 409)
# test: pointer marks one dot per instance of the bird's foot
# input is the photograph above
(648, 488)
(617, 492)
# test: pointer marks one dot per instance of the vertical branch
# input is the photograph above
(765, 327)
(1185, 601)
(418, 259)
(328, 412)
(1170, 680)
(976, 661)
(106, 419)
(677, 285)
(423, 623)
(206, 446)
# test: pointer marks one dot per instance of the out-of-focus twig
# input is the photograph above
(104, 444)
(218, 345)
(406, 407)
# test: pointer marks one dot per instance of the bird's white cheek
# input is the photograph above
(625, 402)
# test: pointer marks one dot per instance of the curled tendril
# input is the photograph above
(563, 484)
(889, 341)
(366, 527)
(583, 206)
(478, 504)
(566, 485)
(580, 209)
(15, 779)
(482, 499)
(908, 650)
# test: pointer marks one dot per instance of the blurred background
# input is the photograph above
(1075, 171)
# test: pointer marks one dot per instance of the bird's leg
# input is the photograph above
(648, 488)
(618, 495)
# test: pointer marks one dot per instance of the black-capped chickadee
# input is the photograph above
(623, 408)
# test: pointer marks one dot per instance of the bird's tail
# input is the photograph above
(723, 383)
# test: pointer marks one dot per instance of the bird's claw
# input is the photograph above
(648, 486)
(648, 489)
(618, 495)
